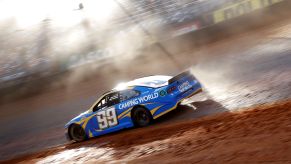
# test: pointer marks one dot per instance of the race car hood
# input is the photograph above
(78, 118)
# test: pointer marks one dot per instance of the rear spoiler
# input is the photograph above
(179, 76)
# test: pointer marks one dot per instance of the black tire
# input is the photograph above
(141, 117)
(77, 133)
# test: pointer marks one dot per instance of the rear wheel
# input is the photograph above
(77, 133)
(141, 117)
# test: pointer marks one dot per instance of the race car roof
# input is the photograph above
(150, 81)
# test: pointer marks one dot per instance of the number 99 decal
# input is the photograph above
(107, 118)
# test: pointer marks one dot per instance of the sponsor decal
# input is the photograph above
(163, 93)
(186, 29)
(241, 8)
(138, 100)
(185, 86)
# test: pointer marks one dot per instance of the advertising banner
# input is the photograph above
(240, 8)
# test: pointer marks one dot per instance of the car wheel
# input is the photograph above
(141, 117)
(77, 133)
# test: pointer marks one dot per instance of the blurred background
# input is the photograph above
(43, 38)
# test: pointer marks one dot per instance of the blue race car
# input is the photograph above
(135, 103)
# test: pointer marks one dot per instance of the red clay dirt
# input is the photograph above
(260, 134)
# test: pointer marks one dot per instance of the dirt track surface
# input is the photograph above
(260, 134)
(240, 71)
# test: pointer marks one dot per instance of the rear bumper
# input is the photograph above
(194, 89)
(194, 93)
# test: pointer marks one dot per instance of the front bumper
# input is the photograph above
(67, 136)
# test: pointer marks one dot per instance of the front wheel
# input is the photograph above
(141, 117)
(77, 133)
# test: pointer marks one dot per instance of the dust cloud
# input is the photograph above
(39, 38)
(46, 37)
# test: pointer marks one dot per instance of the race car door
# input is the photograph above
(106, 113)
